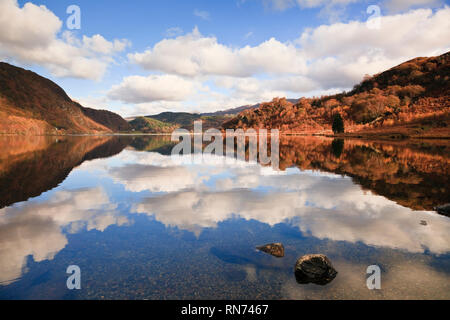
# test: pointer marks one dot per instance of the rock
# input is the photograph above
(443, 209)
(275, 249)
(423, 222)
(314, 268)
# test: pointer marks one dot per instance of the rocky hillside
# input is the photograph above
(31, 104)
(412, 99)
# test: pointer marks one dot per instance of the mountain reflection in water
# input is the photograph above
(144, 224)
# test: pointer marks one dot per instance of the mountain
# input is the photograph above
(172, 120)
(31, 104)
(413, 173)
(150, 125)
(186, 120)
(411, 99)
(179, 118)
(107, 118)
(233, 111)
(31, 165)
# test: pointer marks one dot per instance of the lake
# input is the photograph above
(143, 224)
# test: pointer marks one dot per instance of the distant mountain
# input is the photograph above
(107, 118)
(31, 104)
(411, 99)
(179, 118)
(186, 120)
(150, 125)
(233, 111)
(173, 120)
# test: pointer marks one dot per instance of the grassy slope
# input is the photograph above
(150, 125)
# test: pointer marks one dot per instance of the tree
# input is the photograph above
(338, 123)
(337, 146)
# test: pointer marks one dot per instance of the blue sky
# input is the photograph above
(143, 57)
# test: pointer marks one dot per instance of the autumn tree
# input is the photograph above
(338, 123)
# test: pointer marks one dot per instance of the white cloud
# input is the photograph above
(325, 59)
(139, 89)
(174, 32)
(324, 206)
(30, 35)
(342, 52)
(139, 177)
(195, 55)
(202, 14)
(400, 5)
(36, 228)
(352, 47)
(99, 44)
(248, 35)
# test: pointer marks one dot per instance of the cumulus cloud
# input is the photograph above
(317, 211)
(194, 55)
(139, 177)
(340, 53)
(36, 228)
(32, 35)
(327, 58)
(400, 5)
(325, 206)
(139, 89)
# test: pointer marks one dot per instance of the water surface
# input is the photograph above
(142, 224)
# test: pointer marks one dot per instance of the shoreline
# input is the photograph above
(374, 136)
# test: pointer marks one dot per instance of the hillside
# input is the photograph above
(232, 111)
(31, 165)
(31, 104)
(186, 120)
(412, 99)
(107, 118)
(150, 125)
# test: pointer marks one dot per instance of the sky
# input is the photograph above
(143, 57)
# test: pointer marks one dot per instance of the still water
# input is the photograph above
(142, 224)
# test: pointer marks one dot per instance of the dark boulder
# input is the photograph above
(443, 209)
(314, 268)
(275, 249)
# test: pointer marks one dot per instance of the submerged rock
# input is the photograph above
(314, 268)
(443, 209)
(275, 249)
(423, 222)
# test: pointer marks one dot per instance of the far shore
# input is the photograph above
(356, 135)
